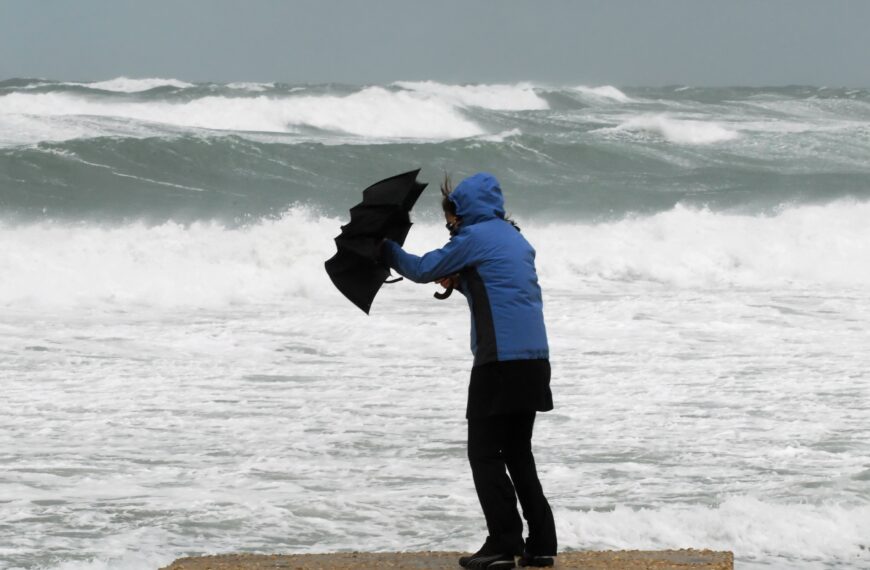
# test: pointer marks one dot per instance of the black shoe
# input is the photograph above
(533, 560)
(487, 557)
(492, 561)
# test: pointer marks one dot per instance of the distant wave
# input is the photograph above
(40, 110)
(681, 131)
(409, 111)
(576, 152)
(604, 92)
(519, 97)
(371, 112)
(131, 85)
(250, 86)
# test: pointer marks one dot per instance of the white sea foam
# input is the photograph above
(204, 264)
(517, 97)
(134, 85)
(755, 530)
(372, 112)
(758, 532)
(133, 549)
(604, 92)
(207, 264)
(211, 383)
(680, 131)
(252, 86)
(685, 247)
(35, 84)
(502, 136)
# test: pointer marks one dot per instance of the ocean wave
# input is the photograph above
(210, 264)
(373, 112)
(518, 97)
(680, 131)
(202, 264)
(685, 247)
(25, 84)
(133, 85)
(760, 533)
(22, 129)
(35, 110)
(604, 92)
(251, 86)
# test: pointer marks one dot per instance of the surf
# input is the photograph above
(211, 264)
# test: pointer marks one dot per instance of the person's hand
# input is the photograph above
(449, 281)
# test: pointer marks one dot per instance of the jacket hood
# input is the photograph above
(478, 198)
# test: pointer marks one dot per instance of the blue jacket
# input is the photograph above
(496, 266)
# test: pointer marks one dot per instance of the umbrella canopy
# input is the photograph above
(383, 213)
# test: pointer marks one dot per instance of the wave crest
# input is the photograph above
(755, 530)
(680, 131)
(372, 112)
(604, 92)
(685, 247)
(519, 97)
(209, 264)
(133, 85)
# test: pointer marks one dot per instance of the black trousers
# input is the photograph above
(496, 443)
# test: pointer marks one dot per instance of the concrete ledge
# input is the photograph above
(588, 560)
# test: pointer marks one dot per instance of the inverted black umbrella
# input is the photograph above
(383, 213)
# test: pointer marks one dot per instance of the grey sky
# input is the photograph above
(620, 42)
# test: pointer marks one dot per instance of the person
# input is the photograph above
(489, 261)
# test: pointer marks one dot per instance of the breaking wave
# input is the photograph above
(210, 264)
(372, 112)
(165, 149)
(680, 131)
(519, 97)
(758, 532)
(604, 92)
(685, 247)
(131, 85)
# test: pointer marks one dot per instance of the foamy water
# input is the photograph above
(274, 261)
(358, 114)
(173, 389)
(134, 85)
(179, 376)
(679, 130)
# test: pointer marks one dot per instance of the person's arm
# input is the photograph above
(436, 264)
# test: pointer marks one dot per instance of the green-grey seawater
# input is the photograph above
(241, 152)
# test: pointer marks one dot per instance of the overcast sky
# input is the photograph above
(619, 42)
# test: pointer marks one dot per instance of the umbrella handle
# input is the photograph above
(444, 295)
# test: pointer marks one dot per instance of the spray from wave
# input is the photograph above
(211, 265)
(604, 92)
(680, 131)
(754, 529)
(167, 150)
(373, 112)
(520, 97)
(131, 85)
(686, 247)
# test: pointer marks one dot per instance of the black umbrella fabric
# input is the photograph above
(383, 213)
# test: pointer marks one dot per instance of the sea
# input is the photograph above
(178, 375)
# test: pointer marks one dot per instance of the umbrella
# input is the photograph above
(383, 213)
